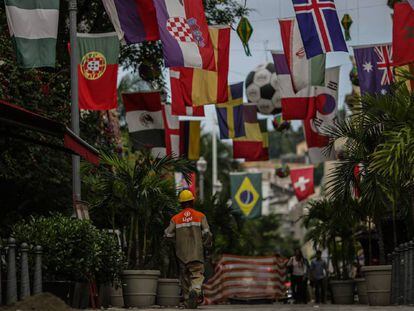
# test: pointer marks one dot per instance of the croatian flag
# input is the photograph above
(375, 68)
(184, 34)
(134, 21)
(319, 27)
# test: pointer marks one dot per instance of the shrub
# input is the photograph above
(73, 249)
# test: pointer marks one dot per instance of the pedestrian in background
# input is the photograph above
(318, 274)
(298, 268)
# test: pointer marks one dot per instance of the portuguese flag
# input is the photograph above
(97, 70)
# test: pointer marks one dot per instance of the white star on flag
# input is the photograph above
(367, 66)
(301, 183)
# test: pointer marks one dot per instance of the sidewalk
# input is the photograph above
(282, 307)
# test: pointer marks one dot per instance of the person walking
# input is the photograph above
(298, 268)
(192, 234)
(318, 273)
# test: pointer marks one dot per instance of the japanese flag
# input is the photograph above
(302, 181)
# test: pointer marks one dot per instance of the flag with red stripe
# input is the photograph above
(246, 277)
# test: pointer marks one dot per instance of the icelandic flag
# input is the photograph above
(134, 21)
(184, 34)
(230, 114)
(319, 27)
(375, 68)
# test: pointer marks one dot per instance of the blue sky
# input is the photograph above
(372, 23)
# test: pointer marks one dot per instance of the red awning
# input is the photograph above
(17, 117)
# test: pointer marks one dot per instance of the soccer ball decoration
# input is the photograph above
(283, 171)
(261, 89)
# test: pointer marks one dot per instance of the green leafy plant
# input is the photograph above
(73, 249)
(137, 193)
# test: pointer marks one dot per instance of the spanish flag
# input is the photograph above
(230, 114)
(197, 87)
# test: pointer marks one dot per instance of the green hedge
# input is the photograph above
(73, 249)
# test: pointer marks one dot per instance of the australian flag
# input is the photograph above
(375, 68)
(319, 26)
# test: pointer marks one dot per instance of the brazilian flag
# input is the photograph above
(246, 194)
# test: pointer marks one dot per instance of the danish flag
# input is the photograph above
(319, 26)
(385, 63)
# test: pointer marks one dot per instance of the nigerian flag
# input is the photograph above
(33, 26)
(246, 193)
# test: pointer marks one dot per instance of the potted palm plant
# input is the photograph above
(331, 225)
(378, 139)
(141, 195)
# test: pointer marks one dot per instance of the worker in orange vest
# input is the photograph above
(192, 233)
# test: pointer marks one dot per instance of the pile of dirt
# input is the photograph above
(41, 302)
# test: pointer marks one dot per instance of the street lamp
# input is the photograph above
(217, 187)
(201, 168)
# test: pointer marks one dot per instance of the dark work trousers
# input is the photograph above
(299, 288)
(319, 291)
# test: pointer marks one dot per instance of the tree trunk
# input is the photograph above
(369, 241)
(381, 245)
(130, 242)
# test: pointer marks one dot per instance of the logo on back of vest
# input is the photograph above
(187, 216)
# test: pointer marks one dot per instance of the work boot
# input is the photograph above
(192, 302)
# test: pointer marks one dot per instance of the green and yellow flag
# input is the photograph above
(246, 194)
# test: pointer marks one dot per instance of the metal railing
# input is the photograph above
(10, 252)
(402, 287)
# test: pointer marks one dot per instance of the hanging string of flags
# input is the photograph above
(296, 86)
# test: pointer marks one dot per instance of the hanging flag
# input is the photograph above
(302, 182)
(304, 72)
(172, 131)
(33, 27)
(318, 109)
(403, 34)
(317, 143)
(145, 121)
(230, 114)
(196, 87)
(97, 70)
(190, 139)
(184, 34)
(246, 194)
(284, 79)
(249, 147)
(319, 27)
(265, 139)
(134, 21)
(400, 75)
(347, 23)
(245, 31)
(181, 183)
(375, 68)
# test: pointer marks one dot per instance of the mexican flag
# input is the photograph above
(97, 70)
(33, 26)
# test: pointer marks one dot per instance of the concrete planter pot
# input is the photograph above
(116, 297)
(139, 287)
(361, 285)
(342, 291)
(168, 293)
(378, 284)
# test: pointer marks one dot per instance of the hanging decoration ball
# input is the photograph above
(245, 30)
(283, 171)
(262, 89)
(280, 124)
(353, 76)
(347, 23)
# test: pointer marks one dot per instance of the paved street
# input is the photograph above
(282, 307)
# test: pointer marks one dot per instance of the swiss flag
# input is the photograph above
(302, 181)
(403, 34)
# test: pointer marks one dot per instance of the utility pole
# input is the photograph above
(76, 181)
(217, 186)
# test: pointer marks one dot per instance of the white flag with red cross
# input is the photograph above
(302, 181)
